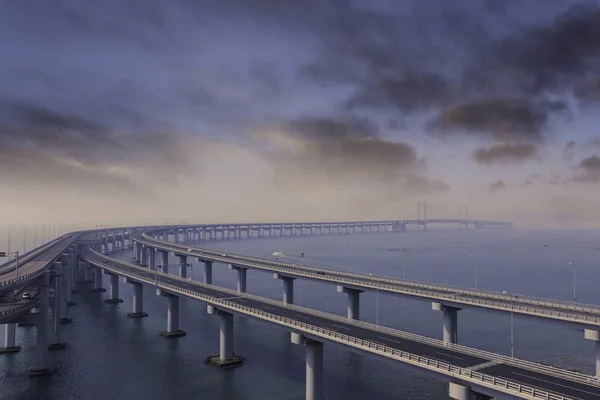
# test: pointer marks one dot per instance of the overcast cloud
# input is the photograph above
(306, 109)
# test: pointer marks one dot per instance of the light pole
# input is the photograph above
(574, 283)
(156, 274)
(512, 325)
(25, 239)
(10, 229)
(35, 236)
(474, 269)
(376, 305)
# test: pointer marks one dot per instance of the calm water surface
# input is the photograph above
(111, 356)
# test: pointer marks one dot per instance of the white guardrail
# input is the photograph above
(18, 308)
(32, 274)
(23, 258)
(402, 287)
(373, 347)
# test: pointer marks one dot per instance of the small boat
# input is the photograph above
(277, 254)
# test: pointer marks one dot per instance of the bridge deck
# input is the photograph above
(451, 355)
(538, 307)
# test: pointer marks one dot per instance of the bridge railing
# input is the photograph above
(587, 379)
(32, 274)
(540, 301)
(23, 258)
(428, 291)
(503, 385)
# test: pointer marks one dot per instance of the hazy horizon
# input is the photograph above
(257, 110)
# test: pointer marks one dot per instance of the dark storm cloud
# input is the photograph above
(42, 145)
(496, 186)
(590, 170)
(504, 154)
(466, 59)
(343, 150)
(569, 151)
(501, 119)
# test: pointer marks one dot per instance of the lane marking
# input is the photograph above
(302, 316)
(484, 365)
(270, 307)
(557, 384)
(341, 326)
(389, 340)
(229, 298)
(449, 355)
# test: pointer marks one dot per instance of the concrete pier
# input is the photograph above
(41, 363)
(314, 365)
(591, 334)
(113, 289)
(151, 257)
(182, 265)
(173, 330)
(226, 357)
(353, 301)
(55, 342)
(241, 281)
(288, 288)
(461, 392)
(165, 261)
(66, 291)
(86, 272)
(208, 272)
(144, 256)
(138, 300)
(9, 339)
(450, 331)
(98, 281)
(62, 289)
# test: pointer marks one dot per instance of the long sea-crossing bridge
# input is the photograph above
(48, 275)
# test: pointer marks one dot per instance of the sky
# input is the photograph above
(262, 110)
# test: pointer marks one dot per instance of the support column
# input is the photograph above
(182, 266)
(41, 364)
(173, 330)
(86, 272)
(450, 332)
(64, 290)
(67, 289)
(461, 392)
(288, 288)
(145, 251)
(207, 272)
(226, 356)
(241, 282)
(55, 342)
(151, 258)
(165, 261)
(9, 339)
(113, 289)
(98, 280)
(594, 335)
(135, 251)
(353, 301)
(138, 300)
(314, 366)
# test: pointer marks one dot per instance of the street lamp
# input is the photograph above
(512, 325)
(10, 229)
(376, 305)
(474, 269)
(574, 283)
(156, 274)
(25, 239)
